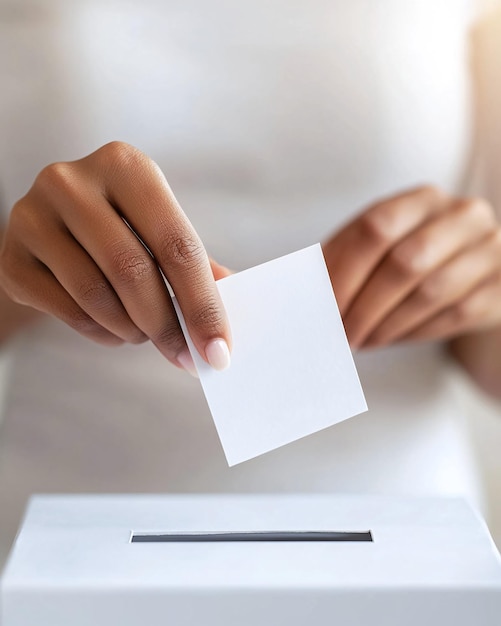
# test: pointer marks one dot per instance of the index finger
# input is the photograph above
(137, 188)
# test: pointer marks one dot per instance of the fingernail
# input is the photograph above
(218, 354)
(186, 361)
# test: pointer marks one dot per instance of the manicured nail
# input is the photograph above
(218, 354)
(185, 359)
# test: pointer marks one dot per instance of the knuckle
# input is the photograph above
(131, 267)
(406, 261)
(55, 176)
(119, 156)
(429, 291)
(20, 215)
(375, 225)
(31, 225)
(183, 251)
(94, 291)
(479, 209)
(12, 280)
(115, 150)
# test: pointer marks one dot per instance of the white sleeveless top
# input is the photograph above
(274, 122)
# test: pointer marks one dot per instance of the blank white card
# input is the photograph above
(292, 372)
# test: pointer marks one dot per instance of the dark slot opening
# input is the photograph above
(287, 535)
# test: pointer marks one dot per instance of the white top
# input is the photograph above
(274, 121)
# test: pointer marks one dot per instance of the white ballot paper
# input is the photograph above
(292, 372)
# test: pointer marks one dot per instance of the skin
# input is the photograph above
(14, 317)
(88, 243)
(422, 265)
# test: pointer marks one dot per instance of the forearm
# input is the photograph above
(479, 354)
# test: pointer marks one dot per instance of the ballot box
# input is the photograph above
(251, 560)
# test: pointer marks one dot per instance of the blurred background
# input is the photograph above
(75, 75)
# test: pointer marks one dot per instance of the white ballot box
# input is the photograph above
(251, 560)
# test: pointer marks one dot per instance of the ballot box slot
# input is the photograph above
(253, 536)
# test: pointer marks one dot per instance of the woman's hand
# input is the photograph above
(89, 244)
(420, 265)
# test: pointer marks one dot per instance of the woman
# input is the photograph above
(274, 124)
